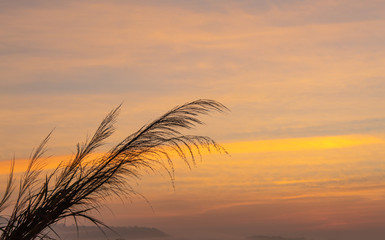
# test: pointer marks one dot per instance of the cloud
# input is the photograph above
(303, 79)
(365, 126)
(304, 76)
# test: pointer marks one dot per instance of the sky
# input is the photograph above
(303, 79)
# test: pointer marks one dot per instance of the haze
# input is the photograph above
(304, 81)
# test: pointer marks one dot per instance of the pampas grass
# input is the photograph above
(81, 184)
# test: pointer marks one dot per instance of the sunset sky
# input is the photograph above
(304, 80)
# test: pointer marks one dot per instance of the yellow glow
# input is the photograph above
(301, 144)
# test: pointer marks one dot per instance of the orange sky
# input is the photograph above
(303, 79)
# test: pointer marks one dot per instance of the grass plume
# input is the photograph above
(80, 185)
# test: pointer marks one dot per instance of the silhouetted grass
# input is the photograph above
(80, 185)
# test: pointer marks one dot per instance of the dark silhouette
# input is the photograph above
(93, 233)
(78, 186)
(260, 237)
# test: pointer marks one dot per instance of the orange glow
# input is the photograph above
(46, 163)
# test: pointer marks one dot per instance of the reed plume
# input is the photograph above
(81, 184)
